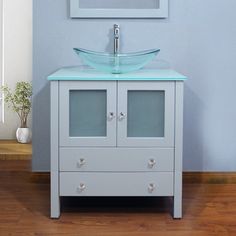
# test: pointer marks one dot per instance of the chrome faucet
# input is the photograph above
(116, 39)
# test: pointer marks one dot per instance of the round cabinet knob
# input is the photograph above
(81, 162)
(81, 187)
(111, 116)
(151, 187)
(151, 163)
(122, 116)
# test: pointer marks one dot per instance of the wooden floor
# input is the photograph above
(208, 209)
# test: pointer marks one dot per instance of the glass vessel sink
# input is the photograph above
(116, 63)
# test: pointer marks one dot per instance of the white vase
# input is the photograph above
(23, 135)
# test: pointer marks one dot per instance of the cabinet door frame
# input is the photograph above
(64, 89)
(169, 88)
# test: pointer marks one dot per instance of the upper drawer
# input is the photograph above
(116, 159)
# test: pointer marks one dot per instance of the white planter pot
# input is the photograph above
(23, 135)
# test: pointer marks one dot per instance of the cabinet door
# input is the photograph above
(87, 113)
(146, 113)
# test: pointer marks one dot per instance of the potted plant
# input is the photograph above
(20, 102)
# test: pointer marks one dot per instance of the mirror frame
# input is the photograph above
(77, 12)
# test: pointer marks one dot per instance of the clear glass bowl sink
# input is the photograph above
(116, 63)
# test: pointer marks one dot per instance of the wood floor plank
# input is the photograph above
(208, 210)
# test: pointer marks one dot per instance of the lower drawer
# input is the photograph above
(116, 184)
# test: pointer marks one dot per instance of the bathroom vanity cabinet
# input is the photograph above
(116, 135)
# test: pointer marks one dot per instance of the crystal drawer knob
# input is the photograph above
(151, 187)
(111, 116)
(122, 116)
(81, 187)
(151, 163)
(81, 162)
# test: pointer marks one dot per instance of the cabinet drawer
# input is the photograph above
(116, 184)
(116, 159)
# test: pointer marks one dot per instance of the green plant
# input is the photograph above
(19, 100)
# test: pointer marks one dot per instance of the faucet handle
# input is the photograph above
(116, 29)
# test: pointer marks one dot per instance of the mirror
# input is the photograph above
(119, 8)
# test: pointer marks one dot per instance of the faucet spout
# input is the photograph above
(116, 39)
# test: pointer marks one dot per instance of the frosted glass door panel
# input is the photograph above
(119, 4)
(146, 114)
(87, 113)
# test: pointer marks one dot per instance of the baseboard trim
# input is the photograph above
(40, 177)
(209, 177)
(188, 177)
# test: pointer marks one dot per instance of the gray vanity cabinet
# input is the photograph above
(116, 138)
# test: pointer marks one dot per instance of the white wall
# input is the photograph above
(1, 55)
(17, 56)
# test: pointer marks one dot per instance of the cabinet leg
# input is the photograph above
(177, 211)
(55, 206)
(177, 208)
(55, 197)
